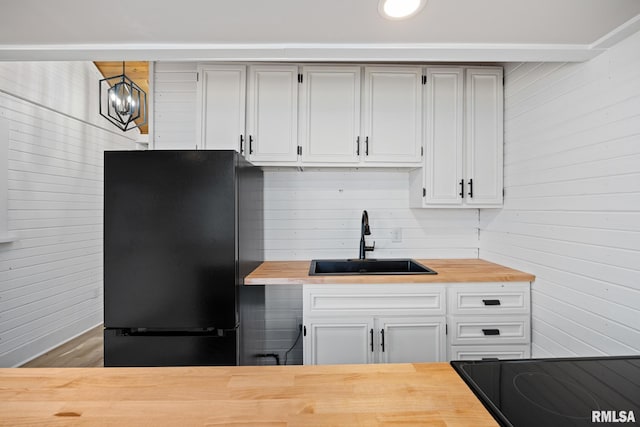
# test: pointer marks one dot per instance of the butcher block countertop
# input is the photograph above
(449, 270)
(338, 395)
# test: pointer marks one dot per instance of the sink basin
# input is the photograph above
(348, 267)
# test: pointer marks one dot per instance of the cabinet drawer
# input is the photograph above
(373, 299)
(505, 330)
(508, 298)
(479, 352)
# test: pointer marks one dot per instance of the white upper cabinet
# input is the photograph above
(484, 136)
(443, 136)
(463, 139)
(392, 115)
(221, 119)
(367, 323)
(272, 114)
(447, 119)
(330, 114)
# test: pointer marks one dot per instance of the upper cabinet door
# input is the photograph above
(484, 136)
(222, 91)
(392, 115)
(443, 136)
(330, 114)
(272, 125)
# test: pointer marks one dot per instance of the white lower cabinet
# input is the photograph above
(373, 324)
(489, 321)
(355, 340)
(338, 341)
(405, 323)
(410, 339)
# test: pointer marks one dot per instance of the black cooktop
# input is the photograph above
(590, 391)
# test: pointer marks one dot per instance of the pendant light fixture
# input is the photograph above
(122, 102)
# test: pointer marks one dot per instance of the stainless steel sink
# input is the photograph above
(347, 267)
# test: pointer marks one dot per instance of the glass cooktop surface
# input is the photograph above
(557, 392)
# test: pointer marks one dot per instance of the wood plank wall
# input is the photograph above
(572, 202)
(51, 275)
(174, 104)
(316, 213)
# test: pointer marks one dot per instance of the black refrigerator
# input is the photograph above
(181, 231)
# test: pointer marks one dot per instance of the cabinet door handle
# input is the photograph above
(491, 331)
(241, 144)
(371, 333)
(382, 342)
(366, 146)
(250, 144)
(357, 146)
(461, 193)
(491, 301)
(471, 188)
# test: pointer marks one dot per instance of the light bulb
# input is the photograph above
(400, 9)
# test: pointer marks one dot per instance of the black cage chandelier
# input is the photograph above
(122, 102)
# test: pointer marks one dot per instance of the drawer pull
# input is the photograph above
(491, 331)
(491, 301)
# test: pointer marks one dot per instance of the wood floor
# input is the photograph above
(85, 351)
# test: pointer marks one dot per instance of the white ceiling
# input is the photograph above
(242, 29)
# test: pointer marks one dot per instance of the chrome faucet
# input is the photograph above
(365, 231)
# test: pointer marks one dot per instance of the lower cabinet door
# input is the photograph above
(339, 341)
(411, 339)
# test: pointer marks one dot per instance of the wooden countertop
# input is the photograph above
(339, 395)
(449, 270)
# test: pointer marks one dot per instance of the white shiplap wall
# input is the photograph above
(283, 316)
(316, 213)
(572, 203)
(51, 275)
(175, 105)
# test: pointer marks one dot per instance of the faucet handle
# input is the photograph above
(370, 248)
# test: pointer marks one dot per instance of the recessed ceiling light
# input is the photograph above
(400, 9)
